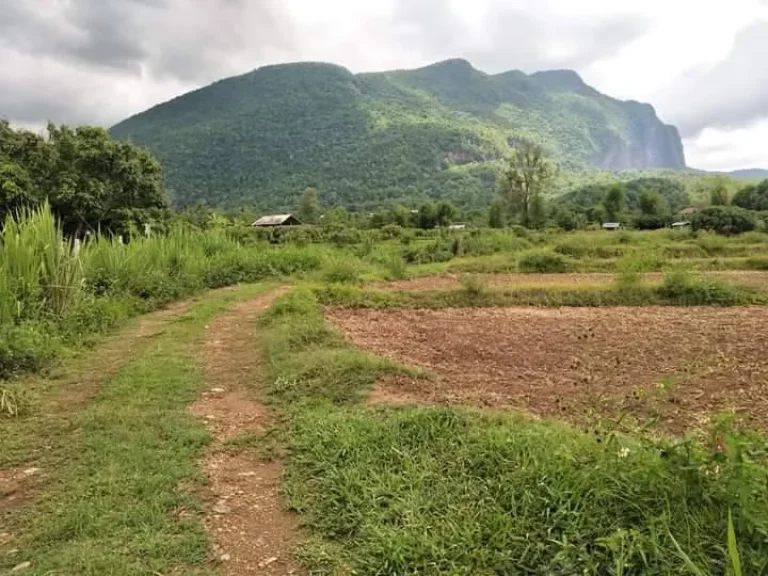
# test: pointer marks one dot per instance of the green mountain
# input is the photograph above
(439, 131)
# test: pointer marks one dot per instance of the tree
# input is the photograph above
(753, 197)
(496, 214)
(427, 217)
(528, 175)
(336, 217)
(718, 195)
(615, 202)
(91, 181)
(445, 213)
(726, 220)
(651, 203)
(308, 209)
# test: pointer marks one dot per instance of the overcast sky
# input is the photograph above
(701, 63)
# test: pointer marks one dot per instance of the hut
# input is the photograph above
(276, 220)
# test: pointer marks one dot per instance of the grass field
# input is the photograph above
(498, 409)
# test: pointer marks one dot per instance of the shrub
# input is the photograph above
(683, 289)
(543, 261)
(342, 273)
(473, 285)
(726, 220)
(437, 251)
(651, 222)
(28, 347)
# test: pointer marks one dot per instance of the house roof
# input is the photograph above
(274, 220)
(680, 224)
(611, 225)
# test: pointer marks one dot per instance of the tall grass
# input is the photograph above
(54, 289)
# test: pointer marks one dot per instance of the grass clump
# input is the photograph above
(683, 289)
(543, 262)
(433, 490)
(310, 362)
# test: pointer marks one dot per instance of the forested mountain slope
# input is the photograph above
(364, 139)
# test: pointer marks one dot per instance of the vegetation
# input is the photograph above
(528, 177)
(91, 182)
(460, 491)
(363, 140)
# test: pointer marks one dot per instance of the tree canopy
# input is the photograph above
(91, 181)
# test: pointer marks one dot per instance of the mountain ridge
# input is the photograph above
(378, 136)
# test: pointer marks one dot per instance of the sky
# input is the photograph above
(701, 63)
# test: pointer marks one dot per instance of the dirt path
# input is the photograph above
(252, 532)
(29, 439)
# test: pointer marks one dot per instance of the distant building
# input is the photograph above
(611, 226)
(682, 224)
(277, 220)
(457, 227)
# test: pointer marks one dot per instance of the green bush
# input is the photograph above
(26, 347)
(683, 289)
(437, 251)
(542, 261)
(726, 220)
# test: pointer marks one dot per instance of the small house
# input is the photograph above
(612, 226)
(457, 227)
(680, 225)
(276, 220)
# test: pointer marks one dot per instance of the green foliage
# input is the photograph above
(92, 182)
(527, 178)
(368, 139)
(308, 209)
(542, 261)
(719, 194)
(496, 216)
(615, 203)
(727, 220)
(753, 197)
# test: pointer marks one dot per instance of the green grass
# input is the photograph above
(440, 491)
(435, 490)
(678, 289)
(116, 467)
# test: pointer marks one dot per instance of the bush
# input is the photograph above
(651, 222)
(28, 347)
(683, 289)
(543, 262)
(342, 273)
(726, 220)
(437, 251)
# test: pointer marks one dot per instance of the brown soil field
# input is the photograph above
(453, 281)
(674, 366)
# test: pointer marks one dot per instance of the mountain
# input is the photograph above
(439, 131)
(749, 174)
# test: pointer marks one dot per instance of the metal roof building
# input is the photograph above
(277, 220)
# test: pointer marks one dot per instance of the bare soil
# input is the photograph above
(754, 279)
(251, 530)
(679, 365)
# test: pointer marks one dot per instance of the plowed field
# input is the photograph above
(675, 365)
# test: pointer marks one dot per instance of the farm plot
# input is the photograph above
(747, 278)
(677, 365)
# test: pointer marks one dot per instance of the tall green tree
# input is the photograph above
(615, 202)
(308, 209)
(652, 203)
(445, 213)
(91, 181)
(496, 214)
(718, 195)
(529, 174)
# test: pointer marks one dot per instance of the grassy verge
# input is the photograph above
(111, 501)
(678, 289)
(452, 491)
